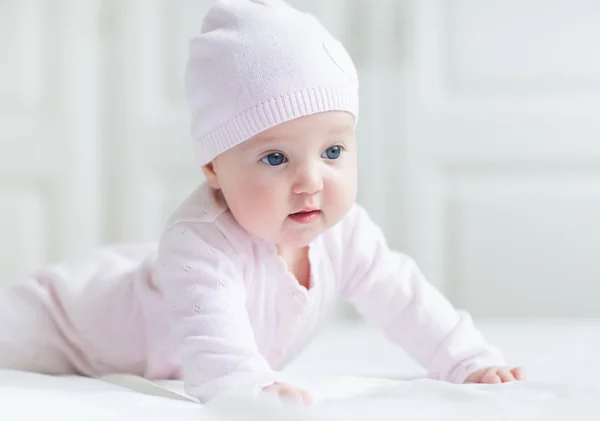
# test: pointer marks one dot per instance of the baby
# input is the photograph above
(254, 261)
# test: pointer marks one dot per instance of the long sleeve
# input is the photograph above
(388, 289)
(208, 313)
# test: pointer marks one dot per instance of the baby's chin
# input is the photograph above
(298, 238)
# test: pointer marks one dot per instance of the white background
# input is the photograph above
(479, 134)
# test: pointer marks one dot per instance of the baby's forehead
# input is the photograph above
(318, 127)
(271, 137)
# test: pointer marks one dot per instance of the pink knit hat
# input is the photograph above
(259, 63)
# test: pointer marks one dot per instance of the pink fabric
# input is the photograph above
(219, 307)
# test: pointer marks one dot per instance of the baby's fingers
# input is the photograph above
(491, 377)
(299, 396)
(475, 377)
(505, 375)
(307, 398)
(519, 373)
(289, 394)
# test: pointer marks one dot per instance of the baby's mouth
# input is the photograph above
(306, 217)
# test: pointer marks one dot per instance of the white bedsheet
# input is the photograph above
(354, 373)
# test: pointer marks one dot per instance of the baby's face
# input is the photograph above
(290, 183)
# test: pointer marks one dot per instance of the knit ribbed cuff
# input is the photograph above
(268, 114)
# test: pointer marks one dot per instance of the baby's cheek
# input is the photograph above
(256, 207)
(341, 195)
(259, 195)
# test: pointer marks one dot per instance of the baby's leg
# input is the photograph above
(110, 313)
(118, 320)
(93, 315)
(29, 337)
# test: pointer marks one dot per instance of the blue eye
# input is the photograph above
(332, 153)
(274, 159)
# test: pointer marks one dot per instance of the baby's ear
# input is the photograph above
(211, 175)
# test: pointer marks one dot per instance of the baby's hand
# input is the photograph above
(287, 393)
(496, 374)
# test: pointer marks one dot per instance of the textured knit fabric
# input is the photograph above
(219, 307)
(256, 64)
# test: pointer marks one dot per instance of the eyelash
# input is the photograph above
(285, 159)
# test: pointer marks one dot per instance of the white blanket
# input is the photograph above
(354, 373)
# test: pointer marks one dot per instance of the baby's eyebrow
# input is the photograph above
(341, 129)
(260, 142)
(270, 139)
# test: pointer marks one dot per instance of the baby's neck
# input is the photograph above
(298, 263)
(292, 255)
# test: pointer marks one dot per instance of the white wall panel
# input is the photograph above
(48, 133)
(523, 239)
(502, 160)
(518, 47)
(24, 224)
(478, 135)
(149, 143)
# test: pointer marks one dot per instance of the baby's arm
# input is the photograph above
(208, 314)
(388, 289)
